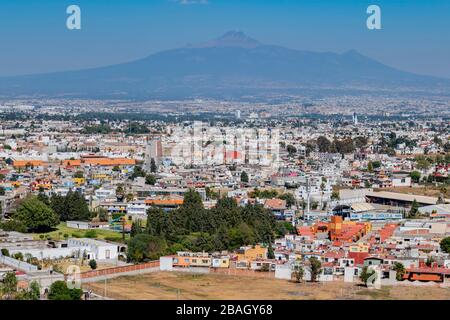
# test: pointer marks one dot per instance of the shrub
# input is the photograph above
(113, 239)
(13, 225)
(93, 264)
(60, 291)
(90, 234)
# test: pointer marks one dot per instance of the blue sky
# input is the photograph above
(34, 38)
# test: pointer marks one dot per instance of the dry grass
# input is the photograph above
(64, 264)
(419, 191)
(187, 286)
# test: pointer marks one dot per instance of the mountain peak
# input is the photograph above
(231, 39)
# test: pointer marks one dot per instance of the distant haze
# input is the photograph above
(230, 66)
(415, 35)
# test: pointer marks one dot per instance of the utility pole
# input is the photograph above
(307, 197)
(123, 229)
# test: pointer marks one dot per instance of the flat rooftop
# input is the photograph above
(404, 197)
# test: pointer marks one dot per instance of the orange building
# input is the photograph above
(164, 203)
(99, 161)
(343, 231)
(28, 163)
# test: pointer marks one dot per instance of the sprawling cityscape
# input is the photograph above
(240, 194)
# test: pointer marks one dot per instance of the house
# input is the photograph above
(191, 259)
(373, 261)
(251, 253)
(427, 274)
(277, 206)
(85, 225)
(220, 262)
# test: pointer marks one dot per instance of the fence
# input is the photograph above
(243, 272)
(17, 264)
(96, 275)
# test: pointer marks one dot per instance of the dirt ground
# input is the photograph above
(421, 191)
(64, 264)
(187, 286)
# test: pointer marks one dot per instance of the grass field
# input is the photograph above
(187, 286)
(62, 229)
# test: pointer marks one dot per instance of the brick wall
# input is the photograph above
(118, 270)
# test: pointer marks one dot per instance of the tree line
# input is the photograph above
(226, 226)
(41, 213)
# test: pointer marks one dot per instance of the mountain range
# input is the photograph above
(230, 66)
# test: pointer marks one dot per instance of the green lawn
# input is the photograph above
(62, 229)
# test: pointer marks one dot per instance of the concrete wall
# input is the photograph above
(17, 264)
(99, 275)
(166, 263)
(283, 272)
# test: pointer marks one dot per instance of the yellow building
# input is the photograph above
(102, 176)
(79, 181)
(359, 247)
(192, 259)
(251, 253)
(220, 262)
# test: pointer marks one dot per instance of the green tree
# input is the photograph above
(445, 245)
(150, 179)
(13, 225)
(244, 177)
(36, 215)
(71, 207)
(2, 191)
(144, 247)
(103, 215)
(291, 150)
(414, 209)
(415, 176)
(192, 199)
(138, 172)
(335, 195)
(270, 253)
(399, 268)
(43, 198)
(370, 166)
(422, 163)
(323, 144)
(91, 234)
(9, 285)
(60, 291)
(429, 261)
(136, 228)
(33, 293)
(153, 167)
(298, 273)
(93, 264)
(316, 268)
(289, 197)
(365, 275)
